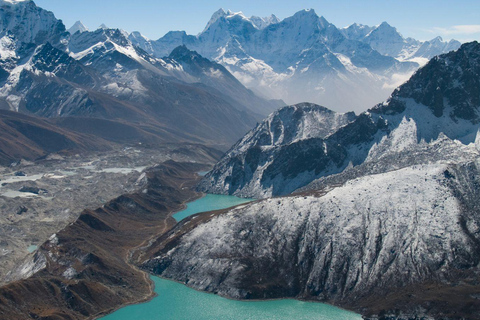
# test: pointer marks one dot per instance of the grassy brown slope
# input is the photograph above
(27, 137)
(99, 246)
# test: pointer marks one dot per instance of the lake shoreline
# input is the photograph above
(191, 215)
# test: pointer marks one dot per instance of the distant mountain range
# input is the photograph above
(306, 58)
(48, 72)
(376, 212)
(167, 92)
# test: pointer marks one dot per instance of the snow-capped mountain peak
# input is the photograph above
(304, 57)
(29, 23)
(14, 1)
(356, 31)
(215, 16)
(77, 27)
(262, 23)
(440, 100)
(258, 22)
(386, 40)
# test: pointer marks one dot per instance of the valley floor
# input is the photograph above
(85, 269)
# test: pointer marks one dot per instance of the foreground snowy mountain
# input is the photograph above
(304, 57)
(392, 235)
(30, 24)
(441, 98)
(285, 147)
(396, 245)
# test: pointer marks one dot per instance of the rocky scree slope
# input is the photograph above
(88, 269)
(441, 98)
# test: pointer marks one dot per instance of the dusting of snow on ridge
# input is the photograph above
(381, 230)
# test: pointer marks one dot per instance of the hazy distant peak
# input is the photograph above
(356, 26)
(257, 22)
(385, 24)
(13, 1)
(215, 16)
(137, 35)
(102, 26)
(262, 23)
(77, 26)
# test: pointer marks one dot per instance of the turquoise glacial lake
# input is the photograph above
(177, 301)
(209, 203)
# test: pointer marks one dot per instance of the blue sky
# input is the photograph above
(421, 19)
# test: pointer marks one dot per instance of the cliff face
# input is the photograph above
(393, 236)
(287, 151)
(403, 243)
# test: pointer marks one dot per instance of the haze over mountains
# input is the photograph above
(301, 143)
(48, 72)
(375, 211)
(306, 58)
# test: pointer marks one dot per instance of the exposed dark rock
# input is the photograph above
(442, 97)
(35, 190)
(22, 210)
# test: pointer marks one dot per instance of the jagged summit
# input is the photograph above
(440, 102)
(306, 12)
(13, 1)
(386, 40)
(262, 23)
(304, 57)
(356, 31)
(29, 23)
(449, 85)
(77, 27)
(222, 13)
(257, 22)
(182, 52)
(280, 154)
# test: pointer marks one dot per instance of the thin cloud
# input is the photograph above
(458, 30)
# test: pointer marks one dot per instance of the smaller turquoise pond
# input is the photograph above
(32, 248)
(209, 203)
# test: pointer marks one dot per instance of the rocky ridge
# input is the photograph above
(100, 74)
(440, 98)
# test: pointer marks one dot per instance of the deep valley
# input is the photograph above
(328, 164)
